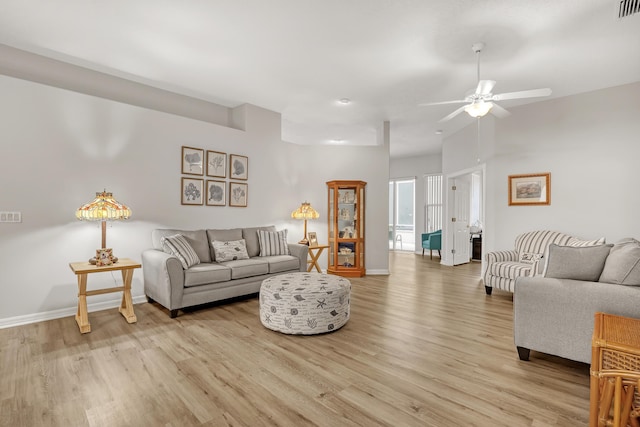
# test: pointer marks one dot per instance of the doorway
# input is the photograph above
(402, 214)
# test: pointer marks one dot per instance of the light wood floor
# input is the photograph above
(424, 347)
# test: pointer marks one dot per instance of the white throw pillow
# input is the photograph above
(178, 246)
(231, 250)
(273, 242)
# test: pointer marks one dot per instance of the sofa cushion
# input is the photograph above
(273, 242)
(280, 263)
(623, 263)
(247, 267)
(230, 251)
(179, 247)
(221, 236)
(582, 243)
(250, 235)
(577, 263)
(196, 238)
(204, 274)
(509, 269)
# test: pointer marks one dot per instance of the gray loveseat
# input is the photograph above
(555, 315)
(167, 282)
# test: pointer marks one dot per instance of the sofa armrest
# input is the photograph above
(499, 256)
(301, 252)
(555, 316)
(163, 278)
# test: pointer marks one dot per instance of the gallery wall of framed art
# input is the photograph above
(222, 191)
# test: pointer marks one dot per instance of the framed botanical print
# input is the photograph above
(238, 194)
(313, 239)
(191, 191)
(192, 161)
(216, 164)
(238, 167)
(532, 189)
(216, 193)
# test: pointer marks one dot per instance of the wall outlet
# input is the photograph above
(10, 216)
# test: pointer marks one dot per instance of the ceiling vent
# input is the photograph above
(628, 8)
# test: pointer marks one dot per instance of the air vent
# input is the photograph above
(628, 8)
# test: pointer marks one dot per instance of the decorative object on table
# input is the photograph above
(216, 193)
(192, 161)
(313, 239)
(531, 189)
(305, 212)
(104, 257)
(346, 228)
(238, 194)
(103, 208)
(191, 191)
(216, 164)
(238, 167)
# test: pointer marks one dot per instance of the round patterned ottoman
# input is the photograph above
(304, 303)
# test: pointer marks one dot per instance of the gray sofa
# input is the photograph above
(167, 282)
(555, 314)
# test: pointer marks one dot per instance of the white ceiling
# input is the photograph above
(299, 57)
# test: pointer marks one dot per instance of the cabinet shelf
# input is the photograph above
(346, 228)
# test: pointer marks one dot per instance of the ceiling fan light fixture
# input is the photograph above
(479, 108)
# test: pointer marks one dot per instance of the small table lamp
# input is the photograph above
(305, 211)
(103, 208)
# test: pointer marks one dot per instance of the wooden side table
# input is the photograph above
(314, 253)
(615, 358)
(83, 269)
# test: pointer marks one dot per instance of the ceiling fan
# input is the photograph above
(482, 101)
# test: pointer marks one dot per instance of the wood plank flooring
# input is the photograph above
(424, 347)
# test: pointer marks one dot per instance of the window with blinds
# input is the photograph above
(433, 203)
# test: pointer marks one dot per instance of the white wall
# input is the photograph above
(60, 147)
(416, 167)
(588, 142)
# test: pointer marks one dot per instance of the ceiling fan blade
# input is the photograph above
(452, 115)
(499, 112)
(458, 101)
(533, 93)
(485, 87)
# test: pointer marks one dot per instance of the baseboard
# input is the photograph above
(63, 312)
(377, 272)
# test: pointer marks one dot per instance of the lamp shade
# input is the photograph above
(103, 208)
(305, 211)
(478, 108)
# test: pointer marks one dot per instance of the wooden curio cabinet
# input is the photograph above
(346, 228)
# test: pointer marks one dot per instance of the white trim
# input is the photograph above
(26, 319)
(379, 272)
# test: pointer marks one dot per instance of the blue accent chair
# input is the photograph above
(432, 241)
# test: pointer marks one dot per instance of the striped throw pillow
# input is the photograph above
(273, 242)
(178, 246)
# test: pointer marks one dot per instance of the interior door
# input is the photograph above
(460, 222)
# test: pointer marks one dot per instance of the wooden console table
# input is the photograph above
(83, 269)
(615, 371)
(314, 253)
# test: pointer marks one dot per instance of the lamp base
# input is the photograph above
(304, 242)
(93, 261)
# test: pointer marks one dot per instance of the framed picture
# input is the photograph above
(313, 239)
(238, 167)
(192, 161)
(216, 193)
(533, 189)
(191, 191)
(216, 164)
(238, 194)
